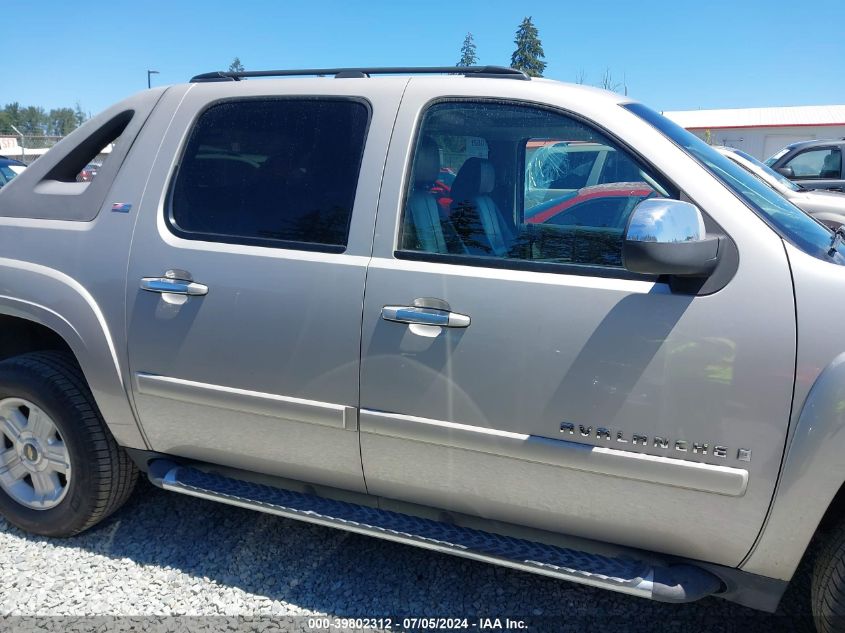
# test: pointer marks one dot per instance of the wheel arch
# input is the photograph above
(811, 487)
(56, 311)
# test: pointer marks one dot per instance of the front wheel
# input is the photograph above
(61, 470)
(828, 589)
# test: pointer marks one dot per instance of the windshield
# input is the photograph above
(782, 180)
(6, 174)
(788, 220)
(771, 160)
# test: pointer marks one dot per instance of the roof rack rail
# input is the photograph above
(498, 72)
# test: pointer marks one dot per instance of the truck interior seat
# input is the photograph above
(475, 216)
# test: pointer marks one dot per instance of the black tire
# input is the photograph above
(102, 474)
(828, 588)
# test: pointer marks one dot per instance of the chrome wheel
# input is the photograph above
(34, 461)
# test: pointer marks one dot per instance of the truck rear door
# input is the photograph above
(246, 276)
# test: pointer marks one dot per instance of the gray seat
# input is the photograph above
(832, 167)
(475, 216)
(423, 218)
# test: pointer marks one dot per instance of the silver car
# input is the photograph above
(828, 207)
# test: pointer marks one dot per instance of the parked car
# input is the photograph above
(597, 205)
(827, 207)
(88, 173)
(647, 401)
(812, 164)
(9, 168)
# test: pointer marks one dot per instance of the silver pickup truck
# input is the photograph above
(513, 320)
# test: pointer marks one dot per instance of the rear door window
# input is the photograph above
(272, 172)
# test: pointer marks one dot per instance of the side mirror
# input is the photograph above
(666, 237)
(785, 171)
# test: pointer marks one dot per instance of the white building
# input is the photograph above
(10, 148)
(763, 131)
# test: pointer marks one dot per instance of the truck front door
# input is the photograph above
(514, 370)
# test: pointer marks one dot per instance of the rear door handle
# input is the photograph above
(416, 315)
(173, 286)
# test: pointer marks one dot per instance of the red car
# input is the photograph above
(88, 173)
(599, 205)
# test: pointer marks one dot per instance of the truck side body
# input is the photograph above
(584, 407)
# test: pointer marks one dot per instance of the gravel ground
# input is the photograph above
(169, 555)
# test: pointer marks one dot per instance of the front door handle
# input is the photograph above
(174, 286)
(416, 315)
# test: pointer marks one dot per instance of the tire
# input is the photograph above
(99, 475)
(828, 587)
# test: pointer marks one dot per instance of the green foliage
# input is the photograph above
(79, 115)
(33, 120)
(528, 56)
(36, 121)
(469, 54)
(236, 66)
(61, 122)
(6, 122)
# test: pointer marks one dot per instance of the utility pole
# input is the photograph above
(150, 72)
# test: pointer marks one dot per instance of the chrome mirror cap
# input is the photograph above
(667, 237)
(665, 221)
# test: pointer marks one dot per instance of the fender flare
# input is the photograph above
(813, 471)
(60, 303)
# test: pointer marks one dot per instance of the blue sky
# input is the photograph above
(673, 55)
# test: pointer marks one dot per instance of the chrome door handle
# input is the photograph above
(416, 315)
(174, 286)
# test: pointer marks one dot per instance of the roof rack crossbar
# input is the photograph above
(501, 72)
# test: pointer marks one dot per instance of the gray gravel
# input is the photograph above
(166, 554)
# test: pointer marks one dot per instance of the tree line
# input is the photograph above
(36, 121)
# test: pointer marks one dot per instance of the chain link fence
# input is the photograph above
(26, 147)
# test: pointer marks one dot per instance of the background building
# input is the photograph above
(763, 131)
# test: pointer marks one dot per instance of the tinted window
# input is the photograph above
(6, 174)
(272, 172)
(531, 185)
(817, 163)
(771, 160)
(789, 221)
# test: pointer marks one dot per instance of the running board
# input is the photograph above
(674, 583)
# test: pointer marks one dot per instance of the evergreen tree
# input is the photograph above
(528, 55)
(469, 55)
(80, 115)
(236, 66)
